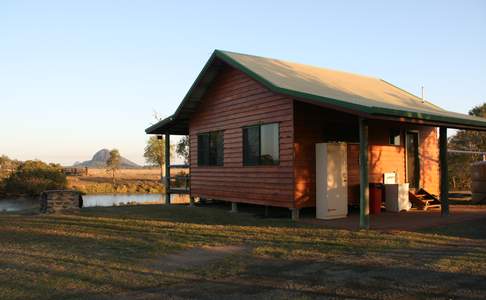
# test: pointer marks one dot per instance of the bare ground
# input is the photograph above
(195, 257)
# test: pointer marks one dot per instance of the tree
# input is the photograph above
(182, 148)
(8, 164)
(155, 153)
(468, 140)
(4, 161)
(113, 163)
(33, 177)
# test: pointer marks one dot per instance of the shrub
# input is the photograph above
(32, 177)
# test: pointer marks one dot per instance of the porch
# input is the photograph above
(411, 220)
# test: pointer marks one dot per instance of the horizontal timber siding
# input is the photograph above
(429, 159)
(233, 101)
(315, 125)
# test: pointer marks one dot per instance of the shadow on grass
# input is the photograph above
(474, 229)
(300, 279)
(209, 214)
(100, 251)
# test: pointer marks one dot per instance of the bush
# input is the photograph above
(32, 177)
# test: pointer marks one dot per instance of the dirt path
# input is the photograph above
(191, 258)
(195, 257)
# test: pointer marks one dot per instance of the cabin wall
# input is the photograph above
(429, 159)
(233, 101)
(312, 125)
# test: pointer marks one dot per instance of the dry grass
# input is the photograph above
(127, 174)
(132, 174)
(113, 253)
(127, 181)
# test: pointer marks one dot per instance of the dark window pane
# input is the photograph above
(220, 149)
(269, 144)
(210, 149)
(413, 167)
(395, 137)
(251, 145)
(216, 148)
(203, 149)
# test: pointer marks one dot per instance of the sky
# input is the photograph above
(79, 76)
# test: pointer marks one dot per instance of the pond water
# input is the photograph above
(124, 199)
(9, 205)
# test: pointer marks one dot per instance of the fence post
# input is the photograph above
(167, 168)
(444, 180)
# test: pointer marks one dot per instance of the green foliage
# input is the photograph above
(7, 165)
(478, 111)
(154, 151)
(469, 140)
(33, 176)
(113, 163)
(131, 188)
(182, 148)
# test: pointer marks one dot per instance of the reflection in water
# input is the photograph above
(11, 205)
(123, 199)
(18, 204)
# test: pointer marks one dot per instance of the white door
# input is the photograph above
(331, 181)
(337, 192)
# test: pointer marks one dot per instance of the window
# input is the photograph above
(395, 137)
(210, 147)
(261, 145)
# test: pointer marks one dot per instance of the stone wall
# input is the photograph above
(58, 200)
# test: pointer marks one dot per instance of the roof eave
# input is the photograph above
(209, 71)
(153, 129)
(363, 109)
(458, 123)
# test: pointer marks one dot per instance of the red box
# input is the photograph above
(376, 197)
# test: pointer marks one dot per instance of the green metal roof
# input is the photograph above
(362, 94)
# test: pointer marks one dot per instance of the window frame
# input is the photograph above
(259, 161)
(209, 161)
(395, 132)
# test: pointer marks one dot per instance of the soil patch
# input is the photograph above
(195, 257)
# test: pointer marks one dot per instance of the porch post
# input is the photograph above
(444, 180)
(364, 201)
(167, 168)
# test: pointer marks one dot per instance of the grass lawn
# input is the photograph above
(155, 251)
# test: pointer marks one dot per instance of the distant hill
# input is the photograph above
(99, 161)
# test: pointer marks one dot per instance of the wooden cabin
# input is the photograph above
(254, 123)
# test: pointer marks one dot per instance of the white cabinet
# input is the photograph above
(331, 181)
(396, 197)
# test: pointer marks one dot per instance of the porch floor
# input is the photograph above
(411, 220)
